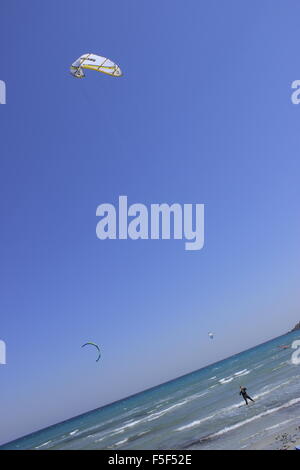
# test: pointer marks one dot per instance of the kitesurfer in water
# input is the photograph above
(243, 392)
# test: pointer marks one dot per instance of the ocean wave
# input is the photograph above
(236, 375)
(226, 380)
(279, 367)
(253, 418)
(227, 409)
(150, 417)
(195, 423)
(98, 429)
(240, 372)
(245, 373)
(128, 439)
(272, 389)
(121, 442)
(127, 425)
(44, 444)
(158, 414)
(196, 395)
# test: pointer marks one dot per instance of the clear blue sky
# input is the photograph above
(202, 115)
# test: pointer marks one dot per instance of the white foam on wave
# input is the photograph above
(195, 423)
(128, 425)
(72, 433)
(254, 418)
(151, 417)
(207, 418)
(236, 375)
(245, 373)
(270, 390)
(120, 442)
(158, 414)
(42, 445)
(196, 395)
(241, 372)
(228, 409)
(199, 395)
(226, 380)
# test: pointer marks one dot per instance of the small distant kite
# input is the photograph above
(94, 62)
(96, 346)
(211, 335)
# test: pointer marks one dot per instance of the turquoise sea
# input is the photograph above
(201, 410)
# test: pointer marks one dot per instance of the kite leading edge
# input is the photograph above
(94, 62)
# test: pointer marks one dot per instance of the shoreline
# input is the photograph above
(287, 439)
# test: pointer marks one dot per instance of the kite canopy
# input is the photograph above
(96, 346)
(211, 335)
(94, 62)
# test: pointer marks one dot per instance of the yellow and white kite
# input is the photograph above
(94, 62)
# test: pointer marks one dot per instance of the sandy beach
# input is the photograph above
(287, 439)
